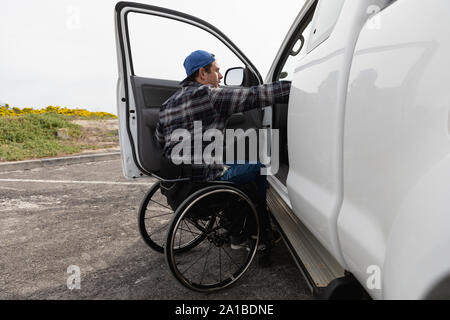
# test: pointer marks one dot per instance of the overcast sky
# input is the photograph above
(63, 53)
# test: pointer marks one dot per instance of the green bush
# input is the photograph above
(34, 136)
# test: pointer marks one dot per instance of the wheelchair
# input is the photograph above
(193, 223)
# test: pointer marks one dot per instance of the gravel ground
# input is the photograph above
(84, 215)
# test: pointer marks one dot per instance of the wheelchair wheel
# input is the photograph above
(154, 218)
(218, 213)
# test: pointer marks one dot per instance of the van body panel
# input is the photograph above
(316, 126)
(395, 214)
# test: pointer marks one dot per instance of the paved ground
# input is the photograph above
(47, 225)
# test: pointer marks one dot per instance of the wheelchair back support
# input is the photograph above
(177, 192)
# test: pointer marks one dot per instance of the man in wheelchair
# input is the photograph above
(201, 99)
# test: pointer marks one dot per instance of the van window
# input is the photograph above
(159, 47)
(325, 19)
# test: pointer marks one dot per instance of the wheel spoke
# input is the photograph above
(187, 225)
(161, 215)
(220, 265)
(210, 246)
(161, 204)
(181, 232)
(191, 232)
(228, 255)
(217, 228)
(196, 225)
(159, 229)
(204, 266)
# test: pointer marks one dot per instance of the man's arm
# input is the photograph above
(228, 101)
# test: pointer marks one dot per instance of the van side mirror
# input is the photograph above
(234, 77)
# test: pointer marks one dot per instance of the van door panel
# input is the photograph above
(149, 95)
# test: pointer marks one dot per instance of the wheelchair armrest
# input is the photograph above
(215, 182)
(154, 175)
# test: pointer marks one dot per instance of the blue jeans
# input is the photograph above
(246, 173)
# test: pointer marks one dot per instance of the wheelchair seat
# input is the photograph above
(177, 182)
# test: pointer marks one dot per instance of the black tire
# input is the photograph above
(154, 217)
(154, 238)
(215, 210)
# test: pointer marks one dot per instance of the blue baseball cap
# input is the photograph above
(196, 60)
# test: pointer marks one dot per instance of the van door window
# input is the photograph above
(151, 36)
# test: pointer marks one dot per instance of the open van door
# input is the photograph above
(152, 43)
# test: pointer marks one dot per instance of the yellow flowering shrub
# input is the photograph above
(6, 111)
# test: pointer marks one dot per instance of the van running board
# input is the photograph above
(322, 272)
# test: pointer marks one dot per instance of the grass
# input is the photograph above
(34, 136)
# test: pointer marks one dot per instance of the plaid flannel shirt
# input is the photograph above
(212, 106)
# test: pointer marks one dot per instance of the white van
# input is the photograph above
(362, 191)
